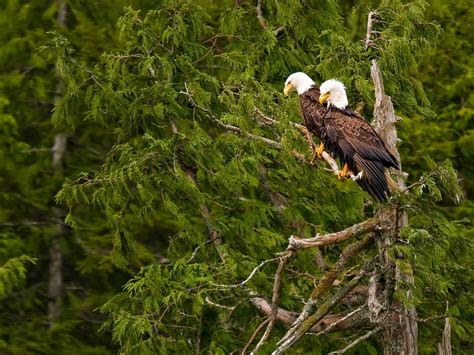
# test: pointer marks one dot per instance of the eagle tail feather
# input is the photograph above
(373, 179)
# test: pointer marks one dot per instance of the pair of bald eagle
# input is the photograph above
(344, 133)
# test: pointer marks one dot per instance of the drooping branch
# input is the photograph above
(366, 226)
(270, 142)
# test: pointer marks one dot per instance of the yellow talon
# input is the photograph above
(343, 172)
(320, 150)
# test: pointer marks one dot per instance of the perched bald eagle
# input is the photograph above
(344, 133)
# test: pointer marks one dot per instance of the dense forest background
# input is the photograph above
(129, 204)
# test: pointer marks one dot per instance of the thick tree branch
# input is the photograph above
(330, 323)
(366, 226)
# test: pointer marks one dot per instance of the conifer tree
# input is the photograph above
(187, 172)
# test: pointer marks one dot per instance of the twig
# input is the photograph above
(254, 271)
(212, 303)
(275, 300)
(254, 335)
(347, 316)
(193, 255)
(357, 341)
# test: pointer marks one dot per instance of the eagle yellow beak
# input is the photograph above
(288, 88)
(324, 97)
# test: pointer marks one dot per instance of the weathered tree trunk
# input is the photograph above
(399, 328)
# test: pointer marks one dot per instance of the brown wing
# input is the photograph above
(312, 111)
(354, 135)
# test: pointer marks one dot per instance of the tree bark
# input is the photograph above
(400, 329)
(55, 283)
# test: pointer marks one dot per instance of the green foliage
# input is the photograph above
(166, 207)
(12, 273)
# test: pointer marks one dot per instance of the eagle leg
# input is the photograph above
(343, 173)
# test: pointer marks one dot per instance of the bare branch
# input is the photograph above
(372, 302)
(339, 321)
(299, 329)
(206, 215)
(357, 341)
(275, 300)
(254, 335)
(326, 282)
(260, 17)
(366, 226)
(370, 21)
(330, 323)
(212, 303)
(254, 271)
(444, 348)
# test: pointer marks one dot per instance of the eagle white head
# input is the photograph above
(334, 93)
(298, 81)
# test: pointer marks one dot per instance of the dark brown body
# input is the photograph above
(349, 137)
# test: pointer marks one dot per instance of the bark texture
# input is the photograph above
(400, 329)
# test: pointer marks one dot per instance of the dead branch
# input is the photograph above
(275, 300)
(298, 330)
(326, 282)
(366, 226)
(339, 321)
(254, 335)
(347, 254)
(444, 348)
(357, 341)
(218, 305)
(260, 17)
(399, 335)
(254, 271)
(330, 323)
(372, 302)
(370, 21)
(320, 260)
(263, 22)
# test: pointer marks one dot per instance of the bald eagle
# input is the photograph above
(344, 133)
